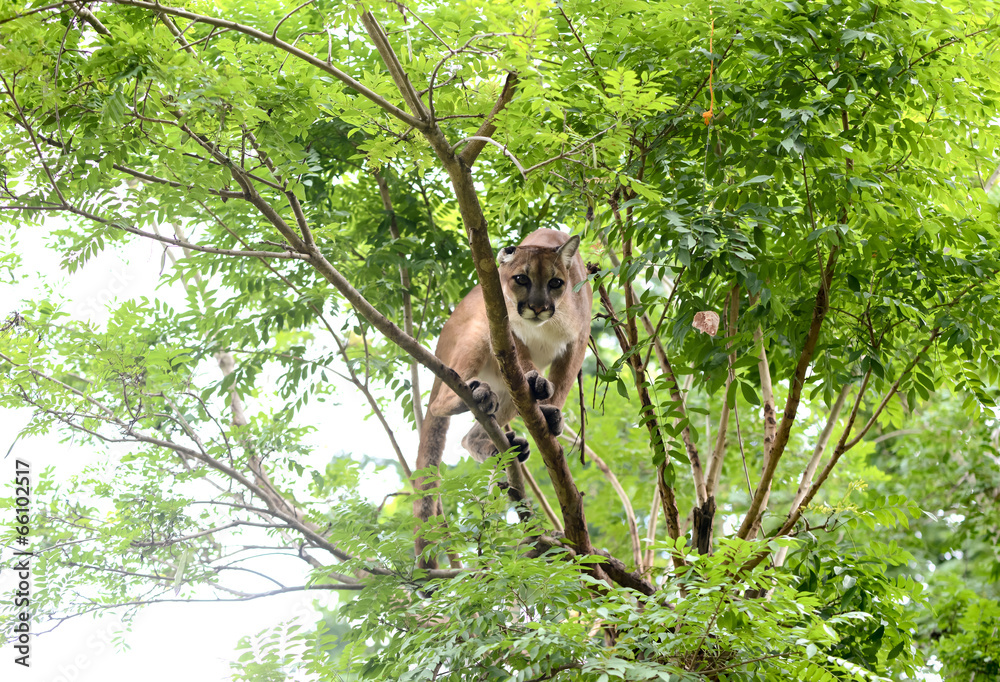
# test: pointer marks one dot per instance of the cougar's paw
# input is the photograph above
(540, 387)
(553, 418)
(484, 395)
(520, 443)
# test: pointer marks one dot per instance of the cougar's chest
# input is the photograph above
(545, 341)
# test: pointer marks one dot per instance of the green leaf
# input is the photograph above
(749, 393)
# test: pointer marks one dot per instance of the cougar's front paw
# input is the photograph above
(540, 387)
(553, 418)
(520, 444)
(484, 396)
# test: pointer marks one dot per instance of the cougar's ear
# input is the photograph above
(568, 250)
(506, 254)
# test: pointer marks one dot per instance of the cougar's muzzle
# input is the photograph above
(537, 312)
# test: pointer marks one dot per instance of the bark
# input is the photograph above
(770, 423)
(820, 309)
(460, 174)
(810, 470)
(667, 498)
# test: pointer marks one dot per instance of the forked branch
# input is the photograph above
(820, 310)
(807, 476)
(844, 445)
(486, 130)
(502, 342)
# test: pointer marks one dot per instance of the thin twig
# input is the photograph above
(540, 497)
(274, 33)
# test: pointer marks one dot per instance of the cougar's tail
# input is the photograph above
(432, 439)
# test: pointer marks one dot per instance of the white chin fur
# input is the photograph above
(545, 338)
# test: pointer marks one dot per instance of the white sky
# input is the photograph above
(175, 641)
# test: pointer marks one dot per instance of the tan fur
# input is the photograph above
(551, 327)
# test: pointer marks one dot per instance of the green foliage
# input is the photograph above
(808, 166)
(969, 644)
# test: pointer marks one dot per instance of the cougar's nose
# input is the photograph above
(538, 308)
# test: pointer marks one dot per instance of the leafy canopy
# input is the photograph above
(817, 174)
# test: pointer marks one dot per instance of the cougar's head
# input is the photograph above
(534, 278)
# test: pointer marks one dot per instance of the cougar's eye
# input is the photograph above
(555, 283)
(522, 280)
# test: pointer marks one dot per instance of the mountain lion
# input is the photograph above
(551, 325)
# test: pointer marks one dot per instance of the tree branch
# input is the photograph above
(477, 139)
(667, 498)
(570, 500)
(892, 391)
(486, 130)
(42, 375)
(89, 17)
(281, 255)
(323, 66)
(820, 309)
(770, 423)
(810, 470)
(225, 194)
(410, 345)
(570, 435)
(949, 43)
(396, 71)
(697, 472)
(842, 446)
(719, 452)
